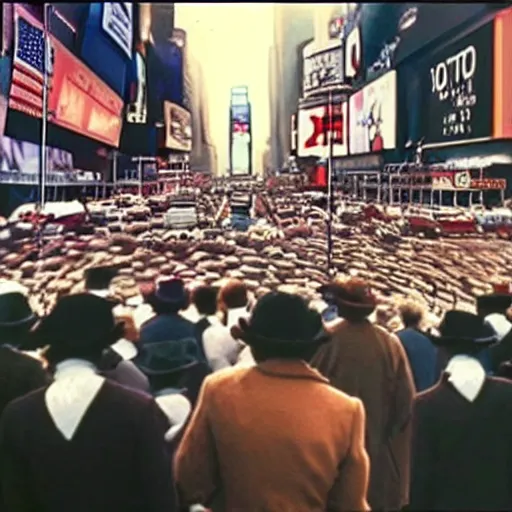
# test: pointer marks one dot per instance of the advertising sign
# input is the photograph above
(458, 100)
(314, 129)
(421, 23)
(322, 70)
(372, 115)
(293, 134)
(502, 121)
(178, 127)
(78, 100)
(137, 111)
(81, 102)
(240, 139)
(352, 47)
(117, 22)
(19, 161)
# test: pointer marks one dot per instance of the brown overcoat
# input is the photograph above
(368, 362)
(274, 437)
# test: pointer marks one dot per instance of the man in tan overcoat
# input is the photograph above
(275, 437)
(368, 362)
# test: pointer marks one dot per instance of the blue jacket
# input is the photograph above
(167, 342)
(423, 357)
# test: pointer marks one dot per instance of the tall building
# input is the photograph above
(162, 21)
(293, 24)
(203, 157)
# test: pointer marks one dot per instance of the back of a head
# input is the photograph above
(79, 326)
(233, 294)
(16, 314)
(204, 298)
(411, 312)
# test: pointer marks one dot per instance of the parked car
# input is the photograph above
(182, 213)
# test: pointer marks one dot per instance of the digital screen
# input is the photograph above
(240, 153)
(458, 84)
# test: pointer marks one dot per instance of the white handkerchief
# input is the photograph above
(69, 398)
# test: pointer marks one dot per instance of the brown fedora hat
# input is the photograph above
(354, 293)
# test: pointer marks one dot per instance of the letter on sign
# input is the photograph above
(353, 53)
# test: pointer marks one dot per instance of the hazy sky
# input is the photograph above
(231, 40)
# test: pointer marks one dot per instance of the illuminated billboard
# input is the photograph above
(240, 144)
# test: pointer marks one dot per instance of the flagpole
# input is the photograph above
(43, 160)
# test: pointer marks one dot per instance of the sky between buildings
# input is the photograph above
(231, 40)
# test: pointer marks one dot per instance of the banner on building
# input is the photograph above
(19, 160)
(178, 127)
(352, 47)
(372, 116)
(240, 138)
(78, 100)
(458, 99)
(322, 70)
(117, 22)
(293, 134)
(502, 119)
(315, 128)
(137, 109)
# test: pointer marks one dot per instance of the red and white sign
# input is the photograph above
(314, 129)
(372, 113)
(78, 99)
(489, 184)
(352, 50)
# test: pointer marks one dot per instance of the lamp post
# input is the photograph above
(330, 194)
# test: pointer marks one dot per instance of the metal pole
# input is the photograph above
(329, 189)
(114, 172)
(140, 176)
(44, 124)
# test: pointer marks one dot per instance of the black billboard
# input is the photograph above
(457, 89)
(420, 24)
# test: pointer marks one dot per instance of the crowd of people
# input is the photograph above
(174, 397)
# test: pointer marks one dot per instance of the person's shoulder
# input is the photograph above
(338, 398)
(222, 378)
(500, 384)
(23, 405)
(119, 394)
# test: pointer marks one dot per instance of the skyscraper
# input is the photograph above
(293, 25)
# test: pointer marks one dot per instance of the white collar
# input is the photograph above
(100, 293)
(466, 375)
(135, 301)
(233, 315)
(125, 348)
(213, 319)
(177, 408)
(68, 398)
(499, 323)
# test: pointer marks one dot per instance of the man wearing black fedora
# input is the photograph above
(19, 373)
(90, 443)
(275, 436)
(366, 361)
(462, 427)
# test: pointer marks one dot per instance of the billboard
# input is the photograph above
(314, 128)
(78, 100)
(457, 103)
(178, 127)
(117, 23)
(502, 128)
(19, 161)
(372, 116)
(420, 24)
(322, 70)
(240, 130)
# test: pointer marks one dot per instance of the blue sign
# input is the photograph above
(102, 54)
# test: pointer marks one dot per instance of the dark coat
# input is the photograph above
(117, 461)
(461, 450)
(19, 375)
(368, 362)
(200, 327)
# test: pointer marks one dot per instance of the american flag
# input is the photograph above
(27, 77)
